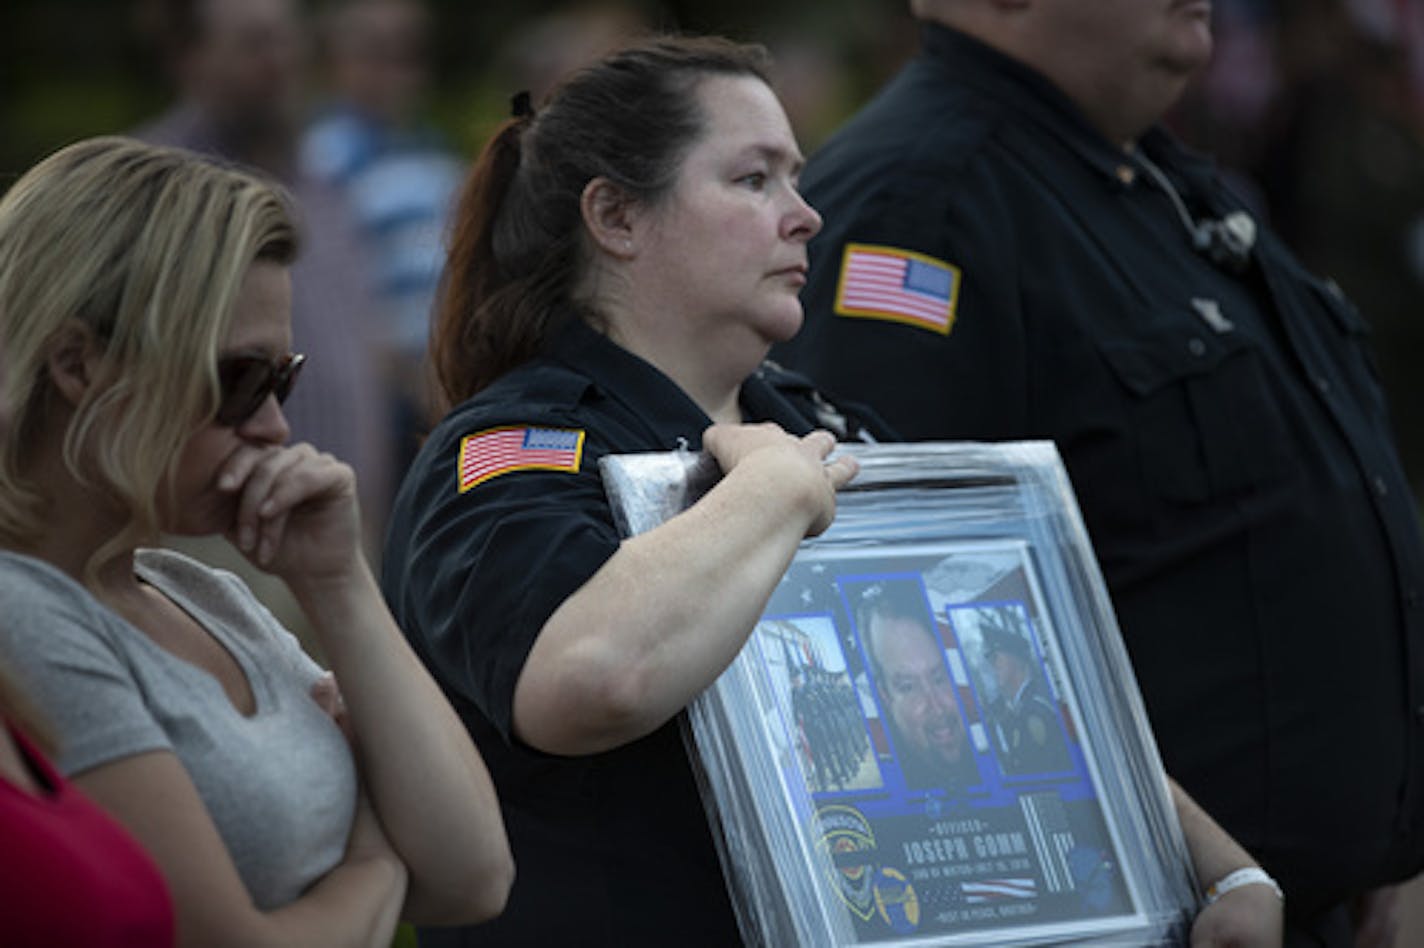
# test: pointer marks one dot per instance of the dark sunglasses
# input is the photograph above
(245, 381)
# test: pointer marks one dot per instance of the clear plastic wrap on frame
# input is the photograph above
(933, 735)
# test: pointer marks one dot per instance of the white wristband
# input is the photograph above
(1249, 875)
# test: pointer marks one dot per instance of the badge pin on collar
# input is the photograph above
(1210, 312)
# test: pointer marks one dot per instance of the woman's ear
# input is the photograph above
(72, 360)
(609, 214)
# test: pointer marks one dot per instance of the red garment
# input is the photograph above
(69, 874)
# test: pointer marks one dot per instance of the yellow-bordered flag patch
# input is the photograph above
(497, 451)
(897, 285)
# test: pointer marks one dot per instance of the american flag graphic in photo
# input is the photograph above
(898, 285)
(501, 450)
(1052, 837)
(997, 890)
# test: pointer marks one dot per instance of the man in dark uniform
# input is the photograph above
(1023, 717)
(1013, 249)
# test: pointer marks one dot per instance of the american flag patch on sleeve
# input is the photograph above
(497, 451)
(897, 285)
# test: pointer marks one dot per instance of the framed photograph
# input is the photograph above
(932, 736)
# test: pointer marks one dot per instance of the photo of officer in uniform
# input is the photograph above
(916, 690)
(1024, 723)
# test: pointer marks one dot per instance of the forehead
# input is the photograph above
(262, 311)
(1098, 36)
(903, 640)
(740, 113)
(1119, 15)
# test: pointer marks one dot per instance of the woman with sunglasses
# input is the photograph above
(145, 330)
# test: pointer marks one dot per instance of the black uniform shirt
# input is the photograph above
(1225, 436)
(611, 848)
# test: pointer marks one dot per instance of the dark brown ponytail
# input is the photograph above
(516, 254)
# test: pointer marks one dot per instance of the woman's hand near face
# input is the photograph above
(797, 465)
(297, 514)
(297, 517)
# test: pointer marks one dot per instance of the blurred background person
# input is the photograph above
(373, 141)
(238, 67)
(540, 52)
(1315, 109)
(1342, 170)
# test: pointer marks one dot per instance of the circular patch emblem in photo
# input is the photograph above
(896, 901)
(844, 834)
(1093, 876)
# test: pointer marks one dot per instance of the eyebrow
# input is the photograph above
(777, 154)
(257, 349)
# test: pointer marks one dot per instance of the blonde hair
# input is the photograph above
(144, 248)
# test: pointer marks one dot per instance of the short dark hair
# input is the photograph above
(1000, 639)
(889, 601)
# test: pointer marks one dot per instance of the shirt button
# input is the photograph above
(1411, 598)
(1322, 385)
(1419, 712)
(1196, 347)
(1380, 486)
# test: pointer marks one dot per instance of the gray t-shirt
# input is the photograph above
(280, 785)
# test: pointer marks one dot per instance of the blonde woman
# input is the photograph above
(145, 329)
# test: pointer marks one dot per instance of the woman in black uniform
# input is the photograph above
(621, 263)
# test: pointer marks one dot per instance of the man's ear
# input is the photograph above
(73, 355)
(610, 214)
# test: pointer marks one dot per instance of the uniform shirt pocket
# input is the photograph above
(1199, 412)
(1357, 349)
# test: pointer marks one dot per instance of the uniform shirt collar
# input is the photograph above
(1023, 89)
(618, 373)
